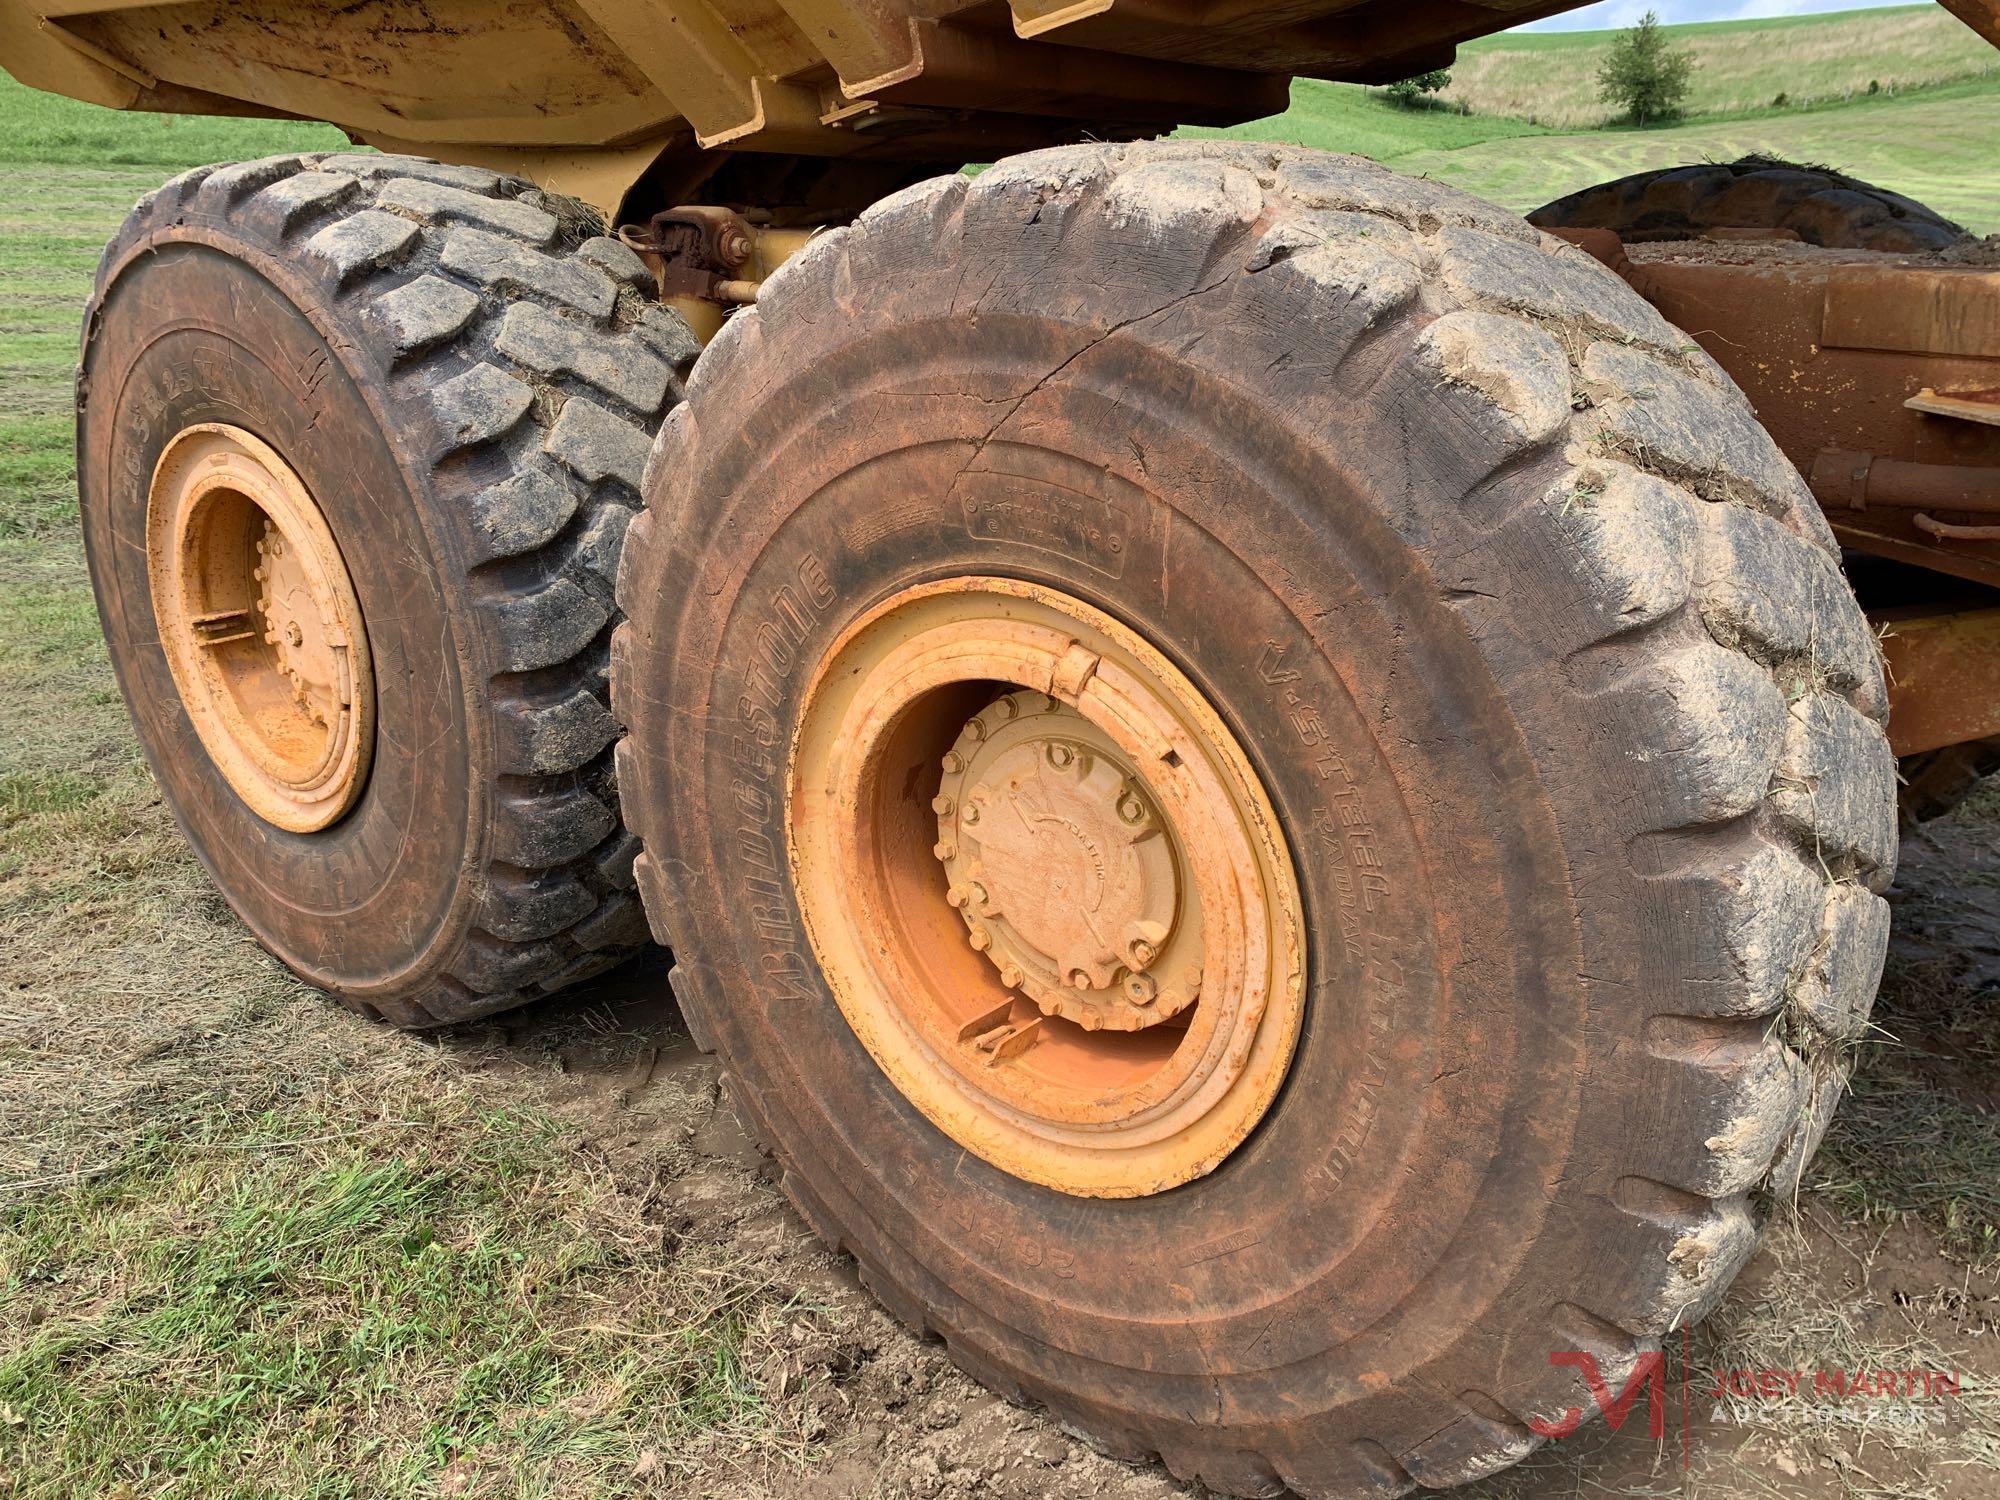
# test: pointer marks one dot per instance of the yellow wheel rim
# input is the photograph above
(260, 626)
(1046, 886)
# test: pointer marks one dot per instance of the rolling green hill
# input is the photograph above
(1550, 78)
(1934, 141)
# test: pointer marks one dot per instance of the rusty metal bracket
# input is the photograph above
(710, 260)
(696, 251)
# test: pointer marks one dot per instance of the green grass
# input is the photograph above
(1343, 117)
(1934, 145)
(353, 1296)
(38, 127)
(1936, 148)
(1740, 66)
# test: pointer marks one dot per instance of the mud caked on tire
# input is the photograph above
(1543, 655)
(463, 378)
(1822, 207)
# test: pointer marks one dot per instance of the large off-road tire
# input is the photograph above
(1822, 207)
(1537, 644)
(464, 378)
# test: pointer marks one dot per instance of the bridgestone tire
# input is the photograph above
(467, 377)
(1545, 659)
(1821, 207)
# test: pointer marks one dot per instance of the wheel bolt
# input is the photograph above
(979, 896)
(1141, 989)
(1011, 976)
(942, 805)
(971, 814)
(1078, 980)
(956, 897)
(1142, 953)
(944, 849)
(1060, 754)
(953, 762)
(980, 939)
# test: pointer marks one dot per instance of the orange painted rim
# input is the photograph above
(260, 626)
(1046, 886)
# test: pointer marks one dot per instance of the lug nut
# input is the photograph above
(953, 762)
(956, 898)
(1140, 989)
(980, 939)
(1141, 953)
(942, 805)
(1011, 976)
(1060, 754)
(979, 896)
(971, 814)
(1078, 980)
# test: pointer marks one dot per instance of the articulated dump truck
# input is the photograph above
(1267, 779)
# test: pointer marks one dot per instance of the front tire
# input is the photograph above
(447, 380)
(1541, 653)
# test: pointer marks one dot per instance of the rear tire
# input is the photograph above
(1822, 207)
(1543, 655)
(467, 380)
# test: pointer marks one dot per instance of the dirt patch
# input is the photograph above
(1852, 1278)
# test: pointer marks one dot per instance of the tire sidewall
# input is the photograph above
(1441, 966)
(205, 327)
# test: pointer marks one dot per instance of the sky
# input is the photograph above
(1608, 14)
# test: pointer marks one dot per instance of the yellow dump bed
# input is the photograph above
(597, 92)
(826, 77)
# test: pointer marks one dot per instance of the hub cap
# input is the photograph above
(260, 626)
(1064, 870)
(1046, 887)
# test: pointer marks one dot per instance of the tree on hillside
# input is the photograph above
(1643, 75)
(1414, 90)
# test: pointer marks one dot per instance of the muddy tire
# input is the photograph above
(1539, 647)
(1821, 207)
(466, 378)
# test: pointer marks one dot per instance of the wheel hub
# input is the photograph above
(260, 625)
(1063, 869)
(1045, 886)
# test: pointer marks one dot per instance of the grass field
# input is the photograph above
(1550, 77)
(1935, 145)
(251, 1246)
